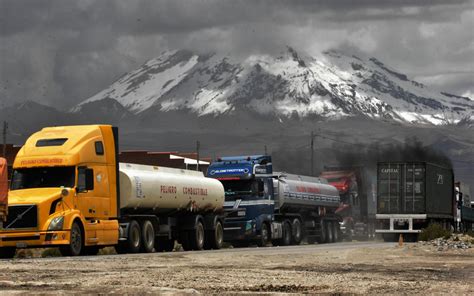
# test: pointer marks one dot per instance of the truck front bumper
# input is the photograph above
(34, 239)
(239, 230)
(398, 223)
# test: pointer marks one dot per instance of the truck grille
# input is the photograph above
(24, 216)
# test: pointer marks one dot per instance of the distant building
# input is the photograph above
(167, 159)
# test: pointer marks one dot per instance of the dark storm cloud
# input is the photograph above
(61, 52)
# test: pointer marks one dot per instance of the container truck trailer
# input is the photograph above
(411, 195)
(263, 206)
(69, 191)
(3, 191)
(357, 188)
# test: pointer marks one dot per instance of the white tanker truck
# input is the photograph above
(177, 204)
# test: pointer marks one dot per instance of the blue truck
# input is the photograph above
(263, 206)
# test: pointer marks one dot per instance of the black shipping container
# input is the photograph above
(415, 188)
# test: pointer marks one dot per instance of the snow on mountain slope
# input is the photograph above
(291, 84)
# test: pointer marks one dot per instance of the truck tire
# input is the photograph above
(286, 235)
(264, 235)
(323, 233)
(215, 237)
(330, 232)
(197, 236)
(7, 252)
(147, 237)
(134, 241)
(335, 229)
(296, 231)
(75, 242)
(164, 244)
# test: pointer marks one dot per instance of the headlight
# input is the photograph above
(56, 223)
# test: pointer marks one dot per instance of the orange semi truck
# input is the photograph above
(3, 191)
(69, 191)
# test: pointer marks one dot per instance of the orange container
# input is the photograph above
(3, 189)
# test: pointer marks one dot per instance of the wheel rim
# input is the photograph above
(219, 234)
(135, 237)
(200, 235)
(149, 236)
(76, 239)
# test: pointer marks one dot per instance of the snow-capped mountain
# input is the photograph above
(333, 85)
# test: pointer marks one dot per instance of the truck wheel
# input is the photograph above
(264, 236)
(215, 238)
(147, 237)
(323, 234)
(330, 234)
(134, 237)
(296, 232)
(197, 236)
(164, 245)
(7, 252)
(75, 242)
(286, 239)
(335, 230)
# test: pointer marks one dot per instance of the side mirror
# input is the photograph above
(85, 179)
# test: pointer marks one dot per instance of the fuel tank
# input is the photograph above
(161, 189)
(294, 191)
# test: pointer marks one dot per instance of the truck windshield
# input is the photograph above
(242, 187)
(43, 177)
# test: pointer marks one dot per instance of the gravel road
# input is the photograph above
(342, 268)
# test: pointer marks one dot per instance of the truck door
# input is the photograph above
(92, 191)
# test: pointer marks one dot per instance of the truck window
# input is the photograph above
(43, 177)
(243, 187)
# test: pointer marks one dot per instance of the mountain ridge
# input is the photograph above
(291, 84)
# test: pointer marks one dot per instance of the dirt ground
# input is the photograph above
(344, 268)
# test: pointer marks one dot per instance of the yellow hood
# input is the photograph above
(33, 196)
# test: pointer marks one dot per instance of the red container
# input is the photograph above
(3, 189)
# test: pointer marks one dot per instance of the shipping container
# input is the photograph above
(415, 188)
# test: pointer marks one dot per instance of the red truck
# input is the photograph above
(3, 191)
(357, 188)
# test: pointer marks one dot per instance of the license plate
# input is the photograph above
(21, 245)
(241, 213)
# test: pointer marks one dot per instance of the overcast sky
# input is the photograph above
(62, 52)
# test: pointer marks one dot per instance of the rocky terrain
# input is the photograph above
(344, 268)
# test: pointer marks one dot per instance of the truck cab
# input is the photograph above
(356, 186)
(249, 200)
(64, 191)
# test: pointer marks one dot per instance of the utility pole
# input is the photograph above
(266, 150)
(5, 127)
(198, 145)
(312, 153)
